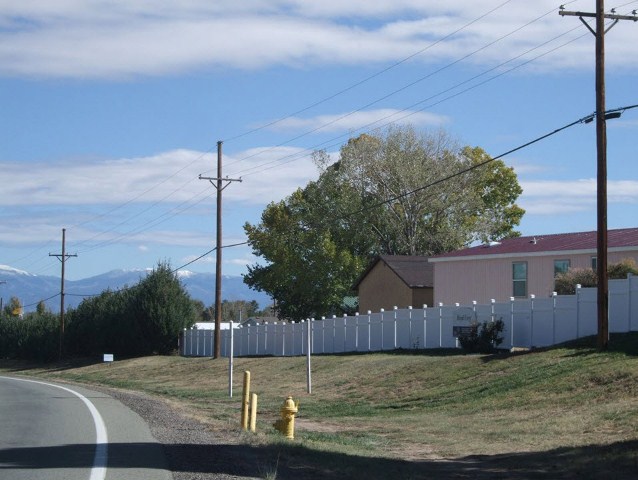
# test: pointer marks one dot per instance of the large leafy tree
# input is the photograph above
(399, 192)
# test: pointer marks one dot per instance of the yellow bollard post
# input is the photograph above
(244, 405)
(253, 412)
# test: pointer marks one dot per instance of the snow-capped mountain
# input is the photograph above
(30, 289)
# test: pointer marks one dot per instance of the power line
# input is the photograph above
(374, 75)
(327, 144)
(394, 92)
(586, 119)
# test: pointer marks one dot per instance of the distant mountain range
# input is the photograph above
(30, 289)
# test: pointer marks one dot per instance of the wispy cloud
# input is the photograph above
(353, 121)
(552, 197)
(120, 39)
(170, 178)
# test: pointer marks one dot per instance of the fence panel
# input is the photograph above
(566, 318)
(542, 326)
(404, 328)
(527, 322)
(619, 320)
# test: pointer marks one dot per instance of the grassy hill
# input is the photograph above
(567, 412)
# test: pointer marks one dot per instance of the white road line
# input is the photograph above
(98, 472)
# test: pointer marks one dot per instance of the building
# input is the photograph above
(395, 280)
(518, 267)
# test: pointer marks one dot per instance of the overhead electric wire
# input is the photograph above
(208, 253)
(365, 128)
(374, 75)
(585, 119)
(277, 162)
(394, 92)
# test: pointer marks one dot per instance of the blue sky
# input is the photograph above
(111, 110)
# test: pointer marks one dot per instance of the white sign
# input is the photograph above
(108, 357)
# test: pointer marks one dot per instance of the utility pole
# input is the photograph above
(601, 154)
(220, 184)
(2, 282)
(62, 257)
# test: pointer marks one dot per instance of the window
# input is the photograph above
(519, 279)
(560, 266)
(594, 263)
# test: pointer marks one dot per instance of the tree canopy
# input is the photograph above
(400, 193)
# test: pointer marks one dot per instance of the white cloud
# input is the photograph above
(119, 39)
(169, 178)
(569, 196)
(359, 120)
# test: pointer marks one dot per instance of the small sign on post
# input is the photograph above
(464, 323)
(108, 358)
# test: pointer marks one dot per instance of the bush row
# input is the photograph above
(140, 320)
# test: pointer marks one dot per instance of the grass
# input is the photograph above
(553, 413)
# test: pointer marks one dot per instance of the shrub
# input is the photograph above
(565, 283)
(622, 269)
(483, 337)
(140, 320)
(34, 337)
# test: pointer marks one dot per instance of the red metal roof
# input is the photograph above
(558, 242)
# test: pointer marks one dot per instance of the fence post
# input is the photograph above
(578, 287)
(334, 332)
(512, 299)
(230, 363)
(531, 318)
(323, 335)
(345, 332)
(554, 294)
(440, 325)
(308, 348)
(492, 314)
(425, 325)
(395, 326)
(356, 331)
(410, 327)
(629, 281)
(382, 311)
(369, 327)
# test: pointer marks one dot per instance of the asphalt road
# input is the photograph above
(54, 431)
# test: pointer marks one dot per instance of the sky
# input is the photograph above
(111, 110)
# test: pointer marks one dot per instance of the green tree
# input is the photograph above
(307, 274)
(140, 320)
(13, 308)
(41, 308)
(385, 195)
(400, 175)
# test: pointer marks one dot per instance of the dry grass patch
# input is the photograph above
(413, 408)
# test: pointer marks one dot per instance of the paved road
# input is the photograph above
(54, 431)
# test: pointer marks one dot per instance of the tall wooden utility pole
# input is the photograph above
(220, 184)
(62, 257)
(601, 153)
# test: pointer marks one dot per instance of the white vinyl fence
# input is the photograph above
(533, 322)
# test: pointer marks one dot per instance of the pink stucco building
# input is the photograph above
(518, 267)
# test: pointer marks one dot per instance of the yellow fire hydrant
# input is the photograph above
(286, 424)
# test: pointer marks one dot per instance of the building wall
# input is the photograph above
(420, 297)
(487, 278)
(382, 288)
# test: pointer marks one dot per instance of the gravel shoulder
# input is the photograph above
(193, 450)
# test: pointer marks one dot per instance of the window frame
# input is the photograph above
(517, 281)
(565, 260)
